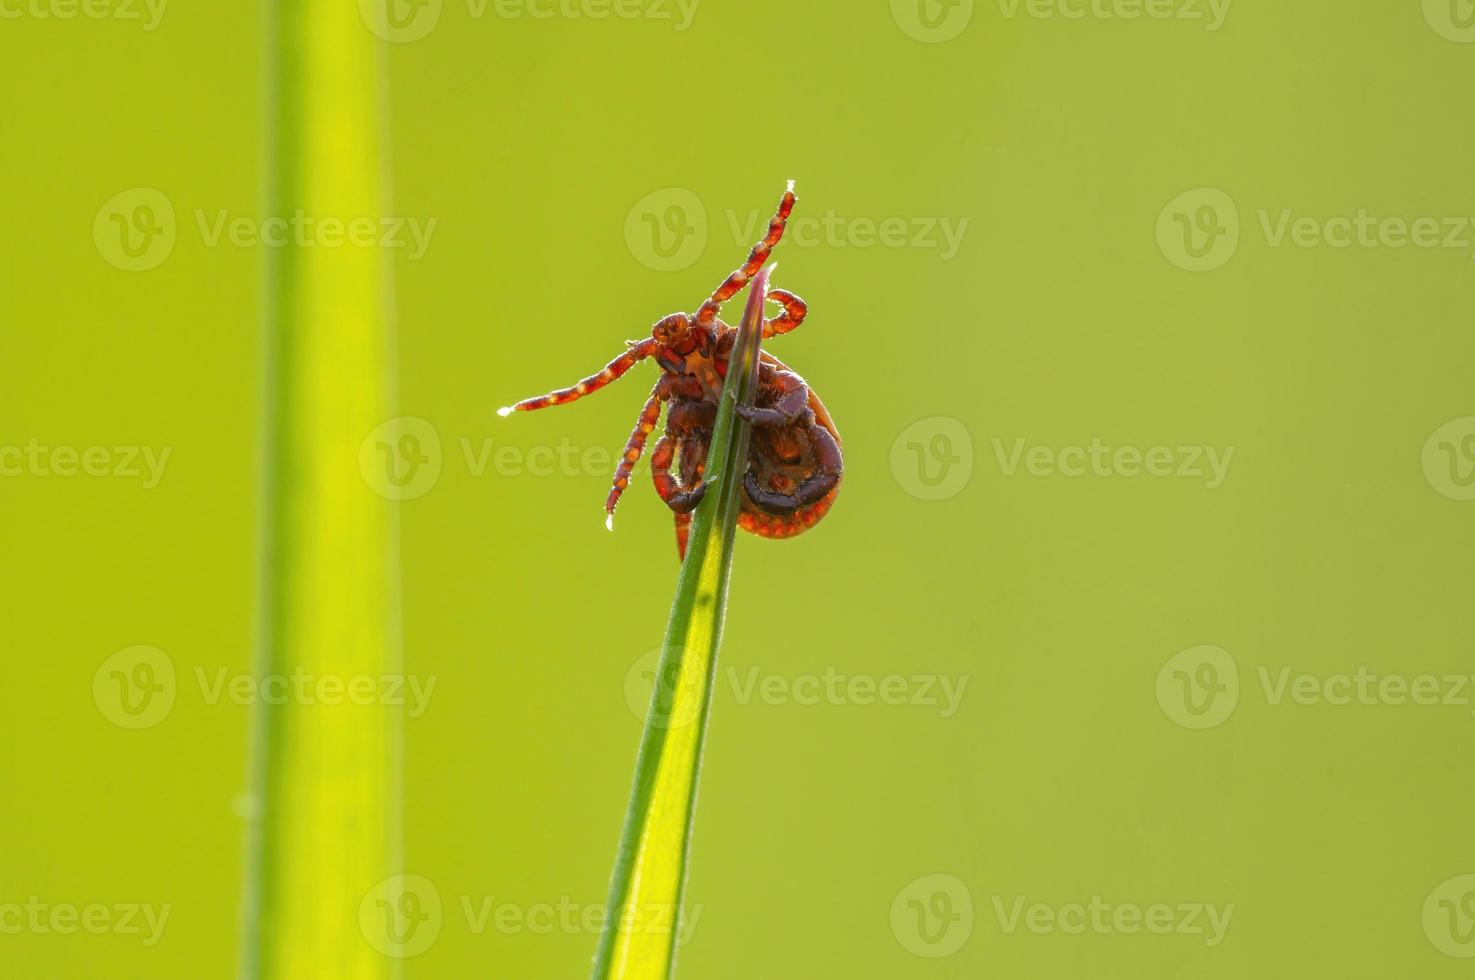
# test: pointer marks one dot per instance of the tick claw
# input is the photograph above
(504, 412)
(609, 522)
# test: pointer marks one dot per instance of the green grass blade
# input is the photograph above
(639, 938)
(324, 827)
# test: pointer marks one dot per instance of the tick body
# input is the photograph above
(794, 461)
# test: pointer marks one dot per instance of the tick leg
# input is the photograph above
(612, 371)
(734, 283)
(683, 531)
(649, 416)
(828, 468)
(788, 398)
(679, 499)
(795, 310)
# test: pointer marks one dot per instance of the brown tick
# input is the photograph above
(794, 462)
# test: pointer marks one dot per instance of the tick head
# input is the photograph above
(671, 330)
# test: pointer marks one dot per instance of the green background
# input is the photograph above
(1059, 320)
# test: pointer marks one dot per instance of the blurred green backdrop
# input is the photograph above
(1028, 230)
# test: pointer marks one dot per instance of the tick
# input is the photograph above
(794, 463)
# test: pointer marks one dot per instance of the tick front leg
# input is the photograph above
(795, 310)
(787, 398)
(612, 371)
(683, 532)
